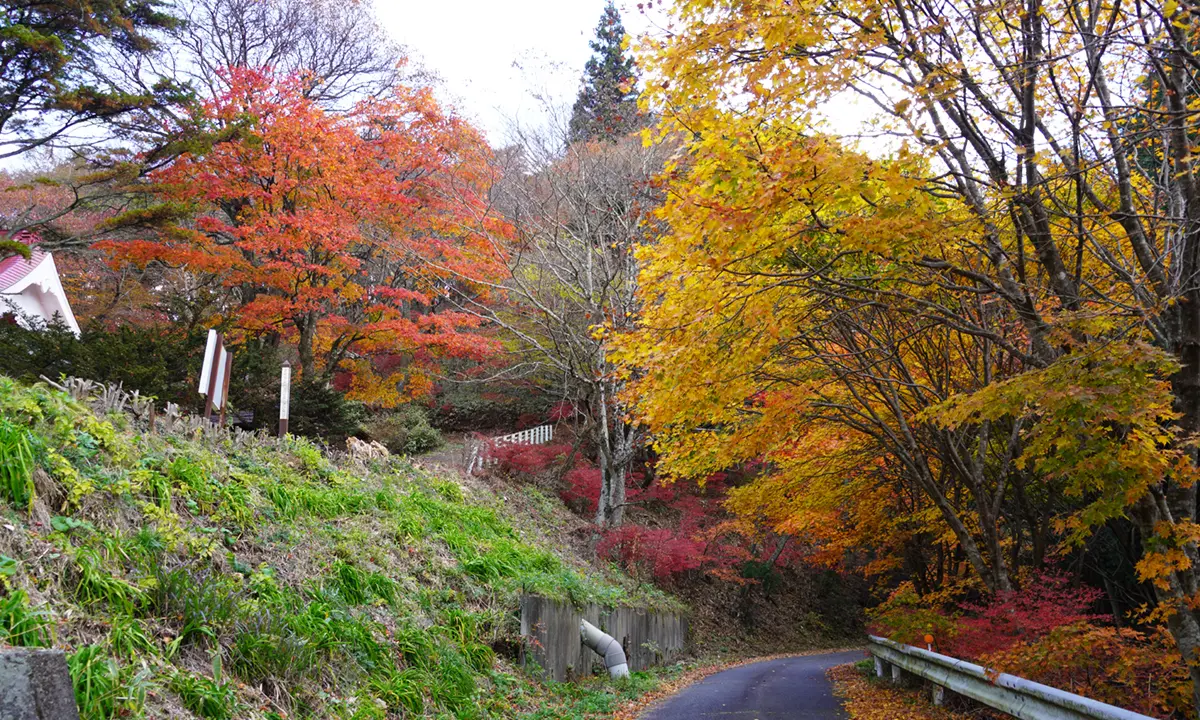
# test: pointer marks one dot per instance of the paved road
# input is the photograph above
(770, 690)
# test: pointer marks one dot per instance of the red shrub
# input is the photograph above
(1045, 602)
(583, 489)
(563, 410)
(528, 459)
(659, 552)
(700, 537)
(972, 631)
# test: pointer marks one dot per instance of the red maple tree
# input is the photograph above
(340, 233)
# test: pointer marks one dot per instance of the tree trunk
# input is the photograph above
(613, 456)
(307, 324)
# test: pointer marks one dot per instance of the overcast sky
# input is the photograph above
(495, 56)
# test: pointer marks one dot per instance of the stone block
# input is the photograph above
(36, 685)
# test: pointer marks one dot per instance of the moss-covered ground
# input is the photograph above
(219, 575)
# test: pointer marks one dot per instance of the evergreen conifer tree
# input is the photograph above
(606, 107)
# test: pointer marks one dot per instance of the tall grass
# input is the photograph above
(103, 688)
(21, 625)
(212, 699)
(16, 465)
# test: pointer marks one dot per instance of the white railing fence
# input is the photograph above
(1009, 694)
(479, 457)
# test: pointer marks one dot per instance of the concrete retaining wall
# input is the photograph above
(552, 632)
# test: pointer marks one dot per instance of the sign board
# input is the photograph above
(219, 390)
(210, 350)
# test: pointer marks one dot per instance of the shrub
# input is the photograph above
(1139, 671)
(404, 431)
(906, 617)
(165, 362)
(583, 489)
(973, 630)
(660, 552)
(528, 459)
(1046, 601)
(422, 439)
(318, 410)
(159, 361)
(468, 408)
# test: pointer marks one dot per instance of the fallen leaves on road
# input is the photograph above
(865, 700)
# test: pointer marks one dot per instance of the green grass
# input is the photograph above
(316, 591)
(104, 688)
(16, 464)
(594, 698)
(22, 625)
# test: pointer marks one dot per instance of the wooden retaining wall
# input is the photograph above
(551, 630)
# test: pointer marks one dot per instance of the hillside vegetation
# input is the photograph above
(216, 575)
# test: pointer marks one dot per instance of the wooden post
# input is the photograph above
(217, 344)
(225, 385)
(285, 397)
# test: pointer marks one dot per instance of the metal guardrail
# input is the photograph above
(1010, 694)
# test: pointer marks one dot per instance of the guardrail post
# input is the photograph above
(939, 695)
(881, 667)
(903, 678)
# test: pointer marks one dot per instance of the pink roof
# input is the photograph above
(12, 269)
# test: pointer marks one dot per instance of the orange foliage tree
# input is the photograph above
(342, 233)
(1001, 306)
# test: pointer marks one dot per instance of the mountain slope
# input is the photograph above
(198, 573)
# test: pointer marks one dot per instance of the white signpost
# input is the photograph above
(214, 375)
(285, 397)
(210, 349)
(226, 373)
(218, 399)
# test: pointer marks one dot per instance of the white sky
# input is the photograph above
(504, 61)
(495, 57)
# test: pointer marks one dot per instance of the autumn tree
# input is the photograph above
(752, 358)
(338, 46)
(578, 211)
(1038, 202)
(606, 107)
(340, 233)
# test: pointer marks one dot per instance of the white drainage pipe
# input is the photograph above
(607, 647)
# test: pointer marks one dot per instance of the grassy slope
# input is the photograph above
(225, 577)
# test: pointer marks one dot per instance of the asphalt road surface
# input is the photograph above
(769, 690)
